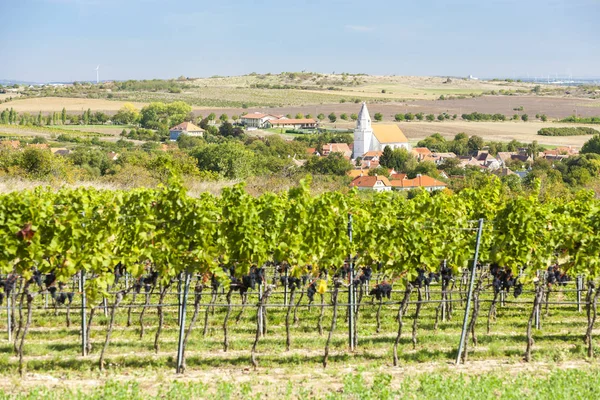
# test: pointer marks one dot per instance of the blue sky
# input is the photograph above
(64, 40)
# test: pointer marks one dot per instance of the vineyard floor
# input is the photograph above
(495, 367)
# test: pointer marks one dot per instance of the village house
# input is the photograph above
(371, 159)
(438, 158)
(185, 127)
(337, 148)
(256, 119)
(377, 183)
(402, 182)
(291, 123)
(421, 153)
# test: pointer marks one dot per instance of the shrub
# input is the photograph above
(570, 131)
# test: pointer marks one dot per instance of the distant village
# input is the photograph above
(370, 141)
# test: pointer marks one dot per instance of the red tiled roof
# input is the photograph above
(254, 116)
(292, 121)
(420, 181)
(369, 181)
(422, 150)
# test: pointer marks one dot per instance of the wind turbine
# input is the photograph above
(97, 75)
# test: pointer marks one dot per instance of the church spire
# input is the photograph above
(364, 119)
(363, 134)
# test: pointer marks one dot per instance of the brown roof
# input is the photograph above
(422, 151)
(369, 181)
(396, 177)
(420, 181)
(389, 133)
(187, 127)
(292, 121)
(11, 144)
(372, 154)
(353, 173)
(254, 116)
(337, 148)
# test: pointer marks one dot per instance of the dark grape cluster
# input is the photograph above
(8, 285)
(247, 282)
(423, 279)
(364, 277)
(146, 282)
(556, 276)
(59, 295)
(504, 280)
(310, 291)
(382, 291)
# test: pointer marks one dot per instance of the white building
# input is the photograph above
(185, 127)
(376, 137)
(257, 120)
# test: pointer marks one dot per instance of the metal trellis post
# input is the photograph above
(463, 334)
(83, 315)
(179, 299)
(182, 310)
(351, 326)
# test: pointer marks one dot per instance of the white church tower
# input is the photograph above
(363, 134)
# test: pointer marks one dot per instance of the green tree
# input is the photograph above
(321, 116)
(354, 116)
(212, 116)
(234, 118)
(299, 116)
(398, 117)
(63, 116)
(474, 144)
(398, 159)
(409, 116)
(308, 116)
(230, 160)
(543, 117)
(4, 117)
(430, 117)
(228, 130)
(332, 117)
(379, 171)
(420, 116)
(435, 142)
(224, 118)
(344, 116)
(592, 145)
(525, 117)
(378, 117)
(333, 164)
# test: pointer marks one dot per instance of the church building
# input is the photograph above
(376, 137)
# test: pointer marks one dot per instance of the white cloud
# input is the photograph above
(359, 28)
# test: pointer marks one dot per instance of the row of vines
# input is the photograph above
(158, 236)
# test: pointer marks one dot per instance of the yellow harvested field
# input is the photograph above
(50, 104)
(495, 131)
(489, 131)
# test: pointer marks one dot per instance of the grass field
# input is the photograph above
(495, 368)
